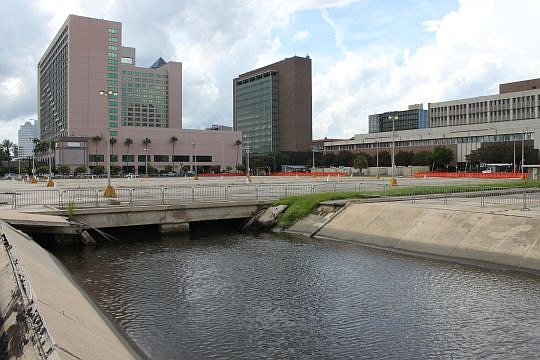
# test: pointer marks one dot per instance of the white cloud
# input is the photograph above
(300, 36)
(431, 25)
(475, 48)
(11, 87)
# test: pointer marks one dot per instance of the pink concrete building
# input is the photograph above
(90, 88)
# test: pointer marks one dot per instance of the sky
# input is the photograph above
(368, 56)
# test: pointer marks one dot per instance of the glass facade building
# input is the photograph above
(406, 120)
(257, 107)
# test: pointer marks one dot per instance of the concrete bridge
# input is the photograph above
(169, 218)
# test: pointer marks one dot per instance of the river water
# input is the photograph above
(239, 296)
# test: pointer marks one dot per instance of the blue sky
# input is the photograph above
(368, 56)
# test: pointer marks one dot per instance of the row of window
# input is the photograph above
(157, 158)
(138, 73)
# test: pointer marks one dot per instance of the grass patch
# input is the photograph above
(300, 206)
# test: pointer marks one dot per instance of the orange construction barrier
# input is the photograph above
(500, 175)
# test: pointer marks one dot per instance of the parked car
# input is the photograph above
(189, 174)
(131, 176)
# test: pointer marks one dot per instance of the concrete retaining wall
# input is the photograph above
(506, 238)
(22, 332)
(57, 307)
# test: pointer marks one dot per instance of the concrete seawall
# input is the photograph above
(45, 314)
(499, 236)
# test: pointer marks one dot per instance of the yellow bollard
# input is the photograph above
(33, 180)
(50, 183)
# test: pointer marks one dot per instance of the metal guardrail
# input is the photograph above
(523, 198)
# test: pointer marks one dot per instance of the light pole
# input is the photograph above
(523, 154)
(109, 190)
(248, 177)
(377, 152)
(194, 158)
(514, 163)
(393, 180)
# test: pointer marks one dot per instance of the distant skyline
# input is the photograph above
(367, 56)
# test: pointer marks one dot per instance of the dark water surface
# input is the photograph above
(270, 296)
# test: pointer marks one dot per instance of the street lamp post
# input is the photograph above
(109, 190)
(248, 170)
(523, 154)
(194, 158)
(393, 180)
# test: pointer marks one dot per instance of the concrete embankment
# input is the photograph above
(491, 235)
(45, 314)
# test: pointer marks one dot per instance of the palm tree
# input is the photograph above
(96, 139)
(173, 141)
(7, 146)
(237, 144)
(128, 143)
(112, 141)
(146, 142)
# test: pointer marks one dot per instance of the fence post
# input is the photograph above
(525, 201)
(335, 187)
(481, 197)
(131, 197)
(163, 195)
(384, 192)
(192, 194)
(286, 192)
(61, 199)
(257, 192)
(14, 202)
(446, 195)
(226, 192)
(97, 198)
(313, 188)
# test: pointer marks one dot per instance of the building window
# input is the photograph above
(114, 158)
(112, 31)
(180, 158)
(95, 158)
(140, 158)
(203, 158)
(130, 158)
(113, 48)
(161, 158)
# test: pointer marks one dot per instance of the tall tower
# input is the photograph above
(272, 106)
(87, 56)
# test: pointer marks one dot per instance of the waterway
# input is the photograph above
(241, 296)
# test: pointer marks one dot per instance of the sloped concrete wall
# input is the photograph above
(501, 238)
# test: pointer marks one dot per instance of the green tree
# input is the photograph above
(237, 143)
(152, 170)
(168, 168)
(345, 158)
(79, 170)
(42, 170)
(6, 147)
(328, 159)
(96, 139)
(63, 169)
(360, 162)
(112, 141)
(128, 143)
(404, 158)
(442, 156)
(98, 170)
(385, 159)
(422, 158)
(173, 141)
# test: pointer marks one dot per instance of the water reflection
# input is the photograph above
(269, 296)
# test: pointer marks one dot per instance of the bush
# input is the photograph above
(80, 170)
(98, 170)
(42, 170)
(115, 170)
(152, 170)
(63, 169)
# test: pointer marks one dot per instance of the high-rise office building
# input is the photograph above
(272, 106)
(413, 118)
(26, 135)
(90, 87)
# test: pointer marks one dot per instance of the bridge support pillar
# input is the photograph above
(173, 228)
